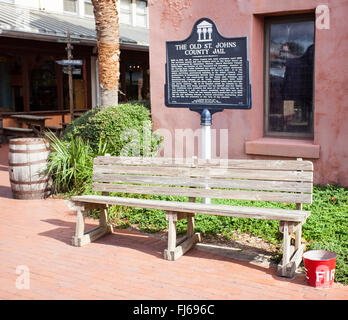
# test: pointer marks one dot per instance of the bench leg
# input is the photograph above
(292, 255)
(175, 251)
(83, 237)
(190, 225)
(80, 227)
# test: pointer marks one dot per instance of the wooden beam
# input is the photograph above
(181, 249)
(189, 207)
(85, 82)
(26, 84)
(59, 84)
(91, 235)
(171, 231)
(288, 270)
(203, 193)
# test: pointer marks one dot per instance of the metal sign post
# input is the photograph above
(71, 92)
(206, 121)
(69, 69)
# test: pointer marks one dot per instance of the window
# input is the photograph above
(70, 6)
(289, 66)
(134, 81)
(141, 13)
(43, 84)
(88, 8)
(126, 11)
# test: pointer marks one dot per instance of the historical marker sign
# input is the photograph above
(207, 70)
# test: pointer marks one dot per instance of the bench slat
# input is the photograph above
(206, 182)
(208, 172)
(188, 162)
(205, 193)
(192, 207)
(21, 130)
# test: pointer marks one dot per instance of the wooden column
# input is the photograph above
(123, 70)
(85, 82)
(26, 84)
(59, 83)
(146, 78)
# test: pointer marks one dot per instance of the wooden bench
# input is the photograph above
(289, 181)
(17, 132)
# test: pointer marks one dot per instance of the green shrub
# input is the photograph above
(122, 130)
(327, 226)
(126, 128)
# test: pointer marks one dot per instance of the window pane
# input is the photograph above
(125, 5)
(88, 8)
(70, 5)
(125, 18)
(141, 20)
(291, 58)
(125, 11)
(141, 7)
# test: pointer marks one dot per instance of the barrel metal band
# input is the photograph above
(27, 163)
(28, 143)
(31, 192)
(29, 182)
(29, 151)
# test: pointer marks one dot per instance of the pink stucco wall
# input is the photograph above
(174, 19)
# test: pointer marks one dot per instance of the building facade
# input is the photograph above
(31, 35)
(297, 51)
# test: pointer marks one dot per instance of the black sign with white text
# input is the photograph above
(207, 70)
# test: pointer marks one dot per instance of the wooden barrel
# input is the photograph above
(27, 162)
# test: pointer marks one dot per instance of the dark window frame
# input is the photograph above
(267, 23)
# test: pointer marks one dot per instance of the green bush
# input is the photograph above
(126, 128)
(327, 226)
(122, 130)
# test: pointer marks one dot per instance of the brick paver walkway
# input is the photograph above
(125, 265)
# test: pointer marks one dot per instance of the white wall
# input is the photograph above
(28, 3)
(52, 6)
(55, 6)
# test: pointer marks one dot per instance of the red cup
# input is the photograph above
(320, 267)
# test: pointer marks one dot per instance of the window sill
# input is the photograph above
(295, 148)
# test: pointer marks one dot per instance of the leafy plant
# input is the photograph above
(122, 130)
(70, 164)
(126, 128)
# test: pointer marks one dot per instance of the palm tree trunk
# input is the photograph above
(107, 29)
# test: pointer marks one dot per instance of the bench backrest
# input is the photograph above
(264, 180)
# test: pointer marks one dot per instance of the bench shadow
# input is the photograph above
(119, 238)
(64, 232)
(154, 246)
